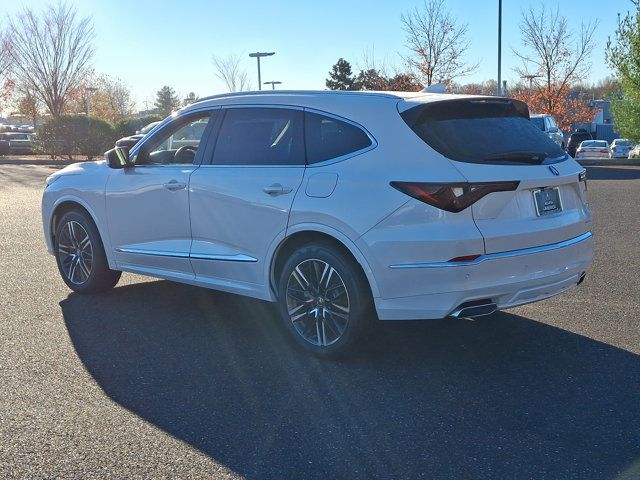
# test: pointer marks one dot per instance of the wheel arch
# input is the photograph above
(304, 234)
(69, 203)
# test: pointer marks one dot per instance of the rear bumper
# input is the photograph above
(508, 279)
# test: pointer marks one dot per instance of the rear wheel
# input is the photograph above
(324, 299)
(80, 255)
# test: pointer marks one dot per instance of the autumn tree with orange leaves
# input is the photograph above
(555, 59)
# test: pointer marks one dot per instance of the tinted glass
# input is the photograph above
(175, 144)
(538, 122)
(260, 136)
(328, 138)
(593, 143)
(483, 131)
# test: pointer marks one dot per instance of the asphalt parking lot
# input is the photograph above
(160, 380)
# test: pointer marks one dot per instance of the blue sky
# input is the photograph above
(151, 43)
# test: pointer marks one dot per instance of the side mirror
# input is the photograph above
(118, 158)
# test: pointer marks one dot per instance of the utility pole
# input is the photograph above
(499, 47)
(258, 56)
(273, 84)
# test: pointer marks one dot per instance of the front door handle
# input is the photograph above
(174, 185)
(276, 189)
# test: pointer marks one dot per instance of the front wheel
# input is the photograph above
(324, 299)
(80, 255)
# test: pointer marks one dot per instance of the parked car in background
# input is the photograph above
(593, 149)
(131, 140)
(19, 143)
(548, 125)
(575, 139)
(634, 152)
(620, 148)
(4, 146)
(335, 205)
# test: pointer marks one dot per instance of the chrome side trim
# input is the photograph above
(159, 253)
(494, 256)
(198, 256)
(225, 258)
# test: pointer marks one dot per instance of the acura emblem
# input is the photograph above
(554, 170)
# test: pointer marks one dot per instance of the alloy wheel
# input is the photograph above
(75, 252)
(318, 302)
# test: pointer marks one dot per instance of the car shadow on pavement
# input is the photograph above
(502, 397)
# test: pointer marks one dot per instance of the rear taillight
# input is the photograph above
(452, 197)
(604, 151)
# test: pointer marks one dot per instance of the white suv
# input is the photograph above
(340, 206)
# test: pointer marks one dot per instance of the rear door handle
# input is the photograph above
(276, 189)
(174, 185)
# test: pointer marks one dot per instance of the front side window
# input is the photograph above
(328, 138)
(177, 143)
(260, 136)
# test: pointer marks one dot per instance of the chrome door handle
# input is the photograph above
(174, 185)
(276, 189)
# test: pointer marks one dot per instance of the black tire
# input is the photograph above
(322, 329)
(75, 257)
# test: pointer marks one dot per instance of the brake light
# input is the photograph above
(604, 151)
(452, 197)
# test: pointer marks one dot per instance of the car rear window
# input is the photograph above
(483, 130)
(594, 143)
(538, 122)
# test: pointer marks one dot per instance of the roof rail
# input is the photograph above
(296, 92)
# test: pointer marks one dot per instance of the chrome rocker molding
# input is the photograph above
(494, 256)
(196, 256)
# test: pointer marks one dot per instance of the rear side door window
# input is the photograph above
(260, 136)
(328, 138)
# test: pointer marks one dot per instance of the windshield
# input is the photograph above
(622, 143)
(148, 128)
(483, 130)
(594, 143)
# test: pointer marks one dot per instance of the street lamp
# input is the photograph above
(499, 47)
(273, 84)
(259, 55)
(530, 78)
(87, 92)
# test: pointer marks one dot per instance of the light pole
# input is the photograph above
(530, 78)
(87, 94)
(273, 84)
(259, 55)
(499, 47)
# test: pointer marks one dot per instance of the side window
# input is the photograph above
(177, 143)
(328, 138)
(260, 136)
(552, 123)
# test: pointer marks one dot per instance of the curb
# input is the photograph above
(44, 163)
(613, 162)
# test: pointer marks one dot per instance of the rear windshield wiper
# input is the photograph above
(525, 156)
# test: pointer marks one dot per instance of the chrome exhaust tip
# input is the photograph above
(477, 308)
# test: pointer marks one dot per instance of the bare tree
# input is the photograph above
(438, 44)
(5, 60)
(228, 70)
(553, 56)
(50, 53)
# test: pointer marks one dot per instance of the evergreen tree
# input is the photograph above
(341, 77)
(189, 99)
(166, 101)
(623, 55)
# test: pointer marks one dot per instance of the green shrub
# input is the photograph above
(76, 135)
(129, 126)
